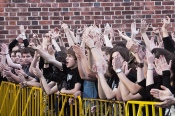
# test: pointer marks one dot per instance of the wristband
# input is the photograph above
(140, 65)
(92, 47)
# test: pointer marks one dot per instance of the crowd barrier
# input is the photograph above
(32, 101)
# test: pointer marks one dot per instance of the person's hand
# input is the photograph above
(88, 41)
(134, 32)
(93, 109)
(23, 84)
(120, 32)
(117, 63)
(166, 23)
(4, 48)
(100, 68)
(55, 34)
(21, 77)
(162, 65)
(35, 36)
(139, 55)
(76, 94)
(37, 72)
(125, 68)
(36, 55)
(152, 43)
(65, 26)
(20, 71)
(143, 27)
(78, 51)
(58, 93)
(22, 30)
(132, 46)
(150, 57)
(167, 103)
(155, 45)
(7, 72)
(63, 90)
(164, 95)
(71, 101)
(156, 30)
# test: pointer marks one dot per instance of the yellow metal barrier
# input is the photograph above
(8, 92)
(31, 101)
(140, 108)
(59, 105)
(97, 107)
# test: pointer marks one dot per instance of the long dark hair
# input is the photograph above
(168, 56)
(123, 52)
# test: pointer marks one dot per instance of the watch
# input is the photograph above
(118, 70)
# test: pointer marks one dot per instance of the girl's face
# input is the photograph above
(106, 57)
(18, 57)
(13, 57)
(115, 54)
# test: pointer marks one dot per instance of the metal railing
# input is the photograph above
(31, 101)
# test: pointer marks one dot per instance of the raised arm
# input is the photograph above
(83, 64)
(9, 60)
(109, 93)
(143, 29)
(45, 86)
(69, 34)
(48, 57)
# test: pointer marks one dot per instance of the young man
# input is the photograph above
(74, 82)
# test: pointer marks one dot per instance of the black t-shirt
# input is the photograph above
(73, 77)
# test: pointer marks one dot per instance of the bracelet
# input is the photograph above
(140, 65)
(92, 47)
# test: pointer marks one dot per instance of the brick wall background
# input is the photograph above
(40, 15)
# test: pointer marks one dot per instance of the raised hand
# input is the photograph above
(143, 27)
(134, 32)
(117, 62)
(156, 30)
(37, 72)
(150, 57)
(56, 33)
(78, 51)
(162, 65)
(4, 48)
(22, 30)
(100, 68)
(132, 46)
(88, 41)
(65, 26)
(166, 23)
(125, 68)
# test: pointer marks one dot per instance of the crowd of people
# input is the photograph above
(95, 65)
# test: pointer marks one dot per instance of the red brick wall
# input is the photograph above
(40, 15)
